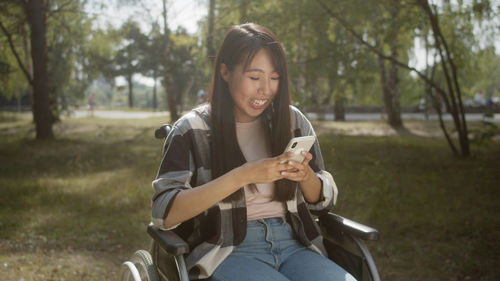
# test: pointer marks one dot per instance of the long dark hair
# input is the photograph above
(240, 45)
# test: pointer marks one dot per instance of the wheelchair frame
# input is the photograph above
(343, 239)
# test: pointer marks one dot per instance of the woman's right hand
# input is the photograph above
(266, 170)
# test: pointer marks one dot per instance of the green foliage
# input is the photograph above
(117, 97)
(68, 45)
(325, 62)
(102, 51)
(67, 32)
(471, 30)
(183, 67)
(481, 74)
(131, 49)
(13, 81)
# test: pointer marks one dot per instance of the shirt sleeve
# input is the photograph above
(329, 191)
(174, 175)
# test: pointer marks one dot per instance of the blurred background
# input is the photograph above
(405, 96)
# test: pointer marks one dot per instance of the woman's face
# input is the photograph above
(254, 88)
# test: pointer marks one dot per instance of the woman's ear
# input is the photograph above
(224, 72)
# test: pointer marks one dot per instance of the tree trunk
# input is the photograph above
(243, 11)
(390, 94)
(383, 82)
(210, 33)
(393, 100)
(185, 93)
(36, 16)
(29, 65)
(171, 90)
(354, 91)
(130, 90)
(390, 89)
(339, 100)
(390, 79)
(339, 109)
(167, 83)
(300, 80)
(428, 88)
(155, 99)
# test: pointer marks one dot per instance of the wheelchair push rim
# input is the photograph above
(139, 268)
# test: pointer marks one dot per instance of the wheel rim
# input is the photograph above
(129, 272)
(143, 272)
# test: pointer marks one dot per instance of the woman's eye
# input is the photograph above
(254, 78)
(275, 78)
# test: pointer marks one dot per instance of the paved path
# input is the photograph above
(405, 116)
(112, 114)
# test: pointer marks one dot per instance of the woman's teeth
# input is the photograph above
(259, 102)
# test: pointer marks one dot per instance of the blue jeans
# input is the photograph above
(271, 253)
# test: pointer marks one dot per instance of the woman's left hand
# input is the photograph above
(299, 172)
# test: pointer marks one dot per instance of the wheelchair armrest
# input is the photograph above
(163, 131)
(334, 221)
(168, 240)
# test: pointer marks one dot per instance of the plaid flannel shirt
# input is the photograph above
(214, 234)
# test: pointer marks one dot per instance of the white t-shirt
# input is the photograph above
(255, 145)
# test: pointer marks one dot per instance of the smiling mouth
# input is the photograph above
(259, 103)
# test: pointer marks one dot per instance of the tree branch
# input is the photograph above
(374, 49)
(60, 9)
(453, 71)
(458, 112)
(437, 107)
(13, 49)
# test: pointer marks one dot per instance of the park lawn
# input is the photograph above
(77, 207)
(438, 216)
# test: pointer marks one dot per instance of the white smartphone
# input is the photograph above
(297, 145)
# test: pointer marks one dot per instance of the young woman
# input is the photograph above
(226, 186)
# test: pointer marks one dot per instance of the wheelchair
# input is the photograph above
(344, 241)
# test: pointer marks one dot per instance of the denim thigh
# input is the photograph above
(307, 265)
(270, 252)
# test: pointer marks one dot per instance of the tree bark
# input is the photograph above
(339, 109)
(210, 33)
(130, 90)
(388, 83)
(167, 79)
(36, 15)
(390, 79)
(155, 99)
(339, 99)
(184, 93)
(171, 89)
(29, 65)
(243, 11)
(393, 99)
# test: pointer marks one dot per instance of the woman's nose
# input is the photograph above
(265, 87)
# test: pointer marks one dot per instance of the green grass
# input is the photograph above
(80, 202)
(77, 207)
(437, 215)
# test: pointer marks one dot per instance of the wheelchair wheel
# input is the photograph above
(139, 268)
